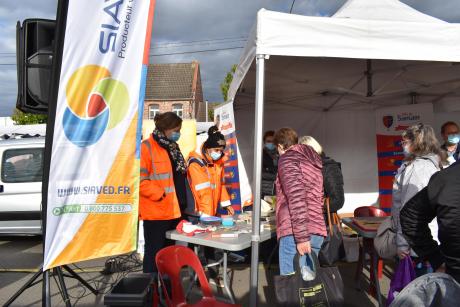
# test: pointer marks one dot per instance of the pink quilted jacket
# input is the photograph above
(299, 193)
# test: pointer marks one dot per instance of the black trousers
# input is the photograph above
(155, 239)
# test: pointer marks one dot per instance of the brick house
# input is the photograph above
(174, 87)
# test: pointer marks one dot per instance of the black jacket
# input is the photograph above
(268, 163)
(441, 199)
(333, 183)
(269, 170)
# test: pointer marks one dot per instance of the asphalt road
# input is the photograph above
(20, 257)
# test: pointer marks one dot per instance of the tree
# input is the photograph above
(225, 85)
(210, 113)
(21, 118)
(211, 107)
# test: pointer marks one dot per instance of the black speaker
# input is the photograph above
(34, 56)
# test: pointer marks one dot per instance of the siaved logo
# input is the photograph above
(96, 103)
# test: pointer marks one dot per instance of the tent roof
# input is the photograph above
(361, 29)
(12, 130)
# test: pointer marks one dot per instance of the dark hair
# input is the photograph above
(449, 123)
(215, 139)
(212, 130)
(423, 140)
(268, 134)
(286, 137)
(167, 120)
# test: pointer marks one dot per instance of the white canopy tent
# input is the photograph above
(326, 76)
(21, 130)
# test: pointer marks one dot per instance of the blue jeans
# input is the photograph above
(288, 249)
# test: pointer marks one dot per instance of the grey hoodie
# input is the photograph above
(411, 177)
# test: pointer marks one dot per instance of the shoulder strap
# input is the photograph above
(436, 164)
(328, 212)
(196, 160)
(426, 158)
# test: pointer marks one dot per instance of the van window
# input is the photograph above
(22, 165)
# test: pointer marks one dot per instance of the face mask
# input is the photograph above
(406, 151)
(270, 146)
(215, 155)
(453, 138)
(175, 136)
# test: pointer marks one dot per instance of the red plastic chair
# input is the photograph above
(367, 211)
(368, 246)
(170, 260)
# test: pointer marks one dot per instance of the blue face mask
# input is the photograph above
(175, 136)
(453, 138)
(406, 151)
(270, 146)
(215, 155)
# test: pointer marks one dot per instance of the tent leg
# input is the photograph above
(260, 70)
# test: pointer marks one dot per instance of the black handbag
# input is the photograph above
(332, 249)
(326, 289)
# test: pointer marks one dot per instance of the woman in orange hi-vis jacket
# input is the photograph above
(206, 175)
(162, 185)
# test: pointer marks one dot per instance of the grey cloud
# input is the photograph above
(445, 10)
(12, 11)
(317, 7)
(199, 19)
(191, 20)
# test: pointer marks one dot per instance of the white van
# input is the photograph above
(21, 170)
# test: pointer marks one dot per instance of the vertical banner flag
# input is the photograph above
(92, 206)
(236, 179)
(390, 124)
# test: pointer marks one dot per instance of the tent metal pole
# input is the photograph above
(257, 175)
(369, 78)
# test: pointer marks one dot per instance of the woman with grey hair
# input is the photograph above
(332, 175)
(423, 158)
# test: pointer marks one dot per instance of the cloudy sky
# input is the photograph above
(210, 31)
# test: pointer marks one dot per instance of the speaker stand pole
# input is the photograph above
(46, 295)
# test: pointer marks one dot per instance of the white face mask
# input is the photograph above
(215, 155)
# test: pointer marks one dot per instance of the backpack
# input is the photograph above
(333, 184)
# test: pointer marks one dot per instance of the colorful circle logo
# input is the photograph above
(96, 103)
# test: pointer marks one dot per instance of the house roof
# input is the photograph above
(175, 81)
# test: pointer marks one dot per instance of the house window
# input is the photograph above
(178, 109)
(22, 165)
(154, 109)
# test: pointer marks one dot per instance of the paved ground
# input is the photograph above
(20, 256)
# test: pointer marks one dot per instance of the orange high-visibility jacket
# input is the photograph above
(158, 199)
(207, 184)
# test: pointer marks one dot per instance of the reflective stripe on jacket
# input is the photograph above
(156, 181)
(207, 184)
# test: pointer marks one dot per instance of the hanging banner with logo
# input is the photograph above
(390, 124)
(236, 179)
(92, 206)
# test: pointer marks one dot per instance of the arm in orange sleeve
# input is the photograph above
(148, 188)
(225, 200)
(224, 196)
(202, 186)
